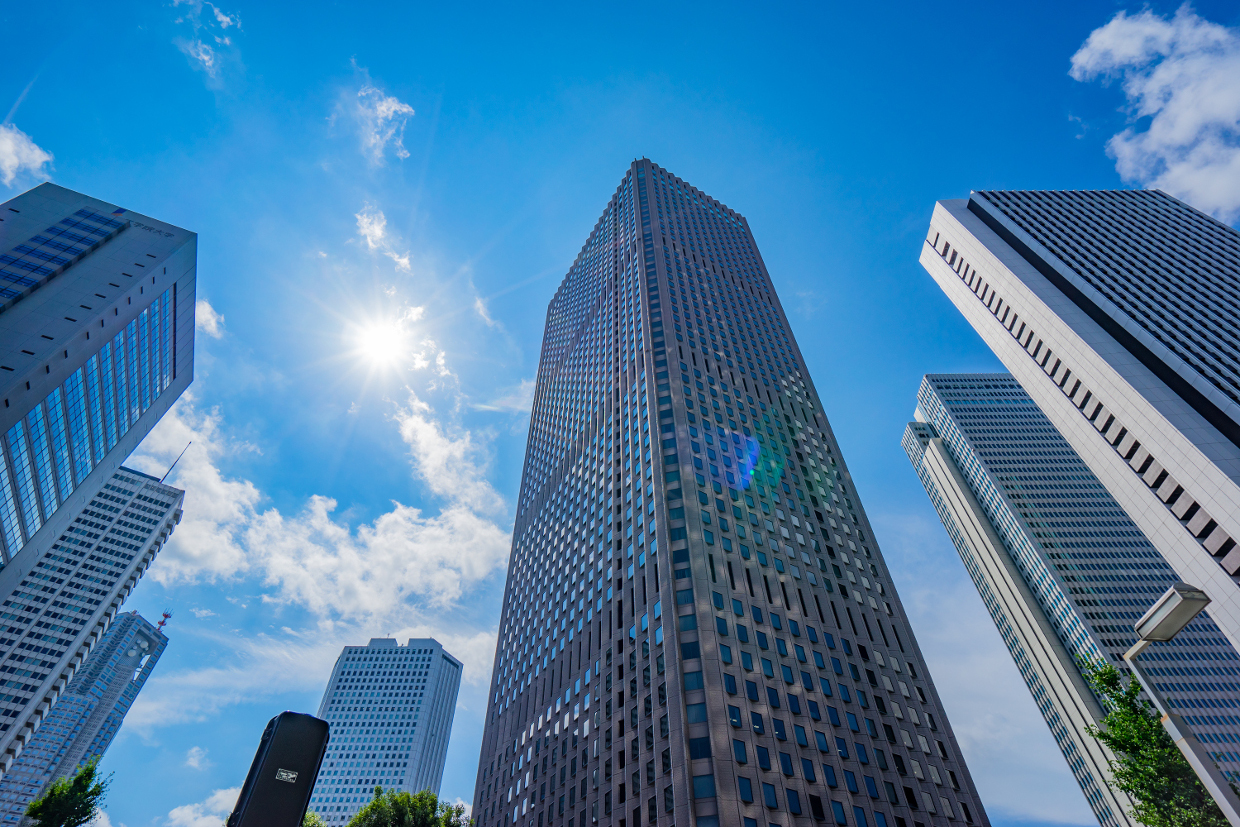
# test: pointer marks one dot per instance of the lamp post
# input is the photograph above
(1165, 619)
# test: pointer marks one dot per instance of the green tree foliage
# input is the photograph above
(71, 802)
(403, 809)
(1148, 767)
(313, 819)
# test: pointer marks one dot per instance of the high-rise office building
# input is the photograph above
(96, 342)
(1117, 312)
(698, 626)
(390, 709)
(59, 603)
(1062, 570)
(88, 715)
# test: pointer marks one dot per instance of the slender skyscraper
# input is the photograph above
(390, 708)
(698, 627)
(58, 604)
(96, 342)
(1119, 314)
(1062, 569)
(87, 717)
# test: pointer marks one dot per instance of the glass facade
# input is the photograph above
(1090, 572)
(698, 623)
(31, 263)
(1170, 270)
(50, 452)
(49, 613)
(1116, 311)
(390, 709)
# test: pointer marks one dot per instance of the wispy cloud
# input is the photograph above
(207, 320)
(1181, 78)
(480, 307)
(20, 154)
(372, 227)
(209, 41)
(380, 119)
(513, 400)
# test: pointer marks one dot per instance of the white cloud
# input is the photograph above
(210, 812)
(196, 757)
(209, 542)
(381, 122)
(1181, 78)
(201, 56)
(447, 463)
(100, 819)
(209, 43)
(207, 320)
(18, 153)
(310, 558)
(225, 20)
(201, 613)
(372, 227)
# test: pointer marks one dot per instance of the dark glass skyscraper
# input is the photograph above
(698, 627)
(1119, 314)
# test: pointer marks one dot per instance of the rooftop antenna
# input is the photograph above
(175, 461)
(159, 627)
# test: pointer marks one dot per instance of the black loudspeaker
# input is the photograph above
(277, 790)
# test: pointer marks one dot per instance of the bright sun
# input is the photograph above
(382, 343)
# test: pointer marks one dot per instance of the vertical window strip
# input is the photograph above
(16, 439)
(131, 364)
(122, 384)
(43, 461)
(144, 346)
(168, 339)
(60, 442)
(96, 412)
(9, 521)
(109, 394)
(157, 347)
(79, 434)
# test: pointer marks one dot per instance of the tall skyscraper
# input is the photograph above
(1117, 312)
(87, 717)
(379, 736)
(1062, 570)
(698, 626)
(96, 342)
(59, 603)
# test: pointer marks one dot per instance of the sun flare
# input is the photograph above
(382, 343)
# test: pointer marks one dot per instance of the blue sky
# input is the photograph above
(386, 197)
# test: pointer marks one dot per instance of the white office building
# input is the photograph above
(96, 343)
(390, 708)
(85, 720)
(1117, 312)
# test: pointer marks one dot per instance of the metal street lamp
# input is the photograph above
(1165, 619)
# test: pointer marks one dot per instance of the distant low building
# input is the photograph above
(390, 708)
